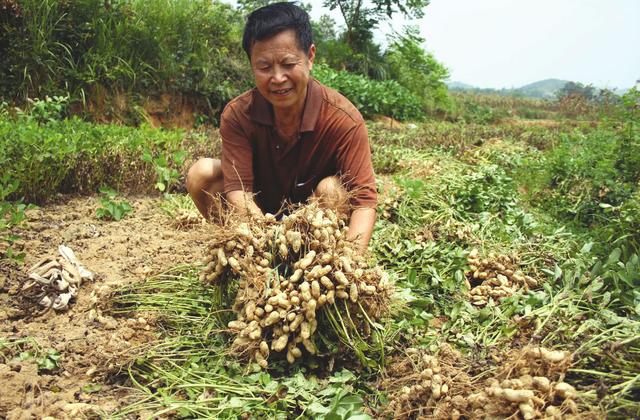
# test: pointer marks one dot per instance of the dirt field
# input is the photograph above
(92, 345)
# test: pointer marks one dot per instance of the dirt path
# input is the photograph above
(92, 346)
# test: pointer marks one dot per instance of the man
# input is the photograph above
(290, 137)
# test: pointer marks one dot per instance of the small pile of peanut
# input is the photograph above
(185, 219)
(389, 206)
(494, 278)
(530, 385)
(533, 396)
(287, 272)
(425, 390)
(528, 395)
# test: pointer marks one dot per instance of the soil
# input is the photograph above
(90, 377)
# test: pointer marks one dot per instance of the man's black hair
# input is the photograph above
(267, 21)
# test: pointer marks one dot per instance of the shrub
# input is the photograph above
(372, 97)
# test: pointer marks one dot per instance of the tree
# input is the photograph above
(572, 89)
(576, 99)
(360, 18)
(416, 69)
(248, 6)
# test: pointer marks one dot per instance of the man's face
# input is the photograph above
(281, 70)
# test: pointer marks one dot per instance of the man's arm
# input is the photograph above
(361, 226)
(244, 203)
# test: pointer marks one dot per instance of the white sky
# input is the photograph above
(510, 43)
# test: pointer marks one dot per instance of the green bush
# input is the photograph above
(372, 97)
(73, 155)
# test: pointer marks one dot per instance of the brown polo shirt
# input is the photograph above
(332, 141)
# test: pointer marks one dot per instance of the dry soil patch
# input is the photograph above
(93, 345)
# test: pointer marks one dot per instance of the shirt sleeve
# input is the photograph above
(354, 165)
(237, 154)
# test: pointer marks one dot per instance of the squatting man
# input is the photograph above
(290, 137)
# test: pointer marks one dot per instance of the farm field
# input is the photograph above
(513, 246)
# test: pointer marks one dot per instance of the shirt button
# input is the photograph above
(277, 147)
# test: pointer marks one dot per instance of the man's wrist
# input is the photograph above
(361, 226)
(243, 202)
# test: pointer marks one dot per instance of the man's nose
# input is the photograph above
(279, 75)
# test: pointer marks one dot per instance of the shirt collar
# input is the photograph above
(262, 111)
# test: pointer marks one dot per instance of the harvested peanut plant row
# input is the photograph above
(290, 271)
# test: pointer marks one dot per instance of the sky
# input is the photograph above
(510, 43)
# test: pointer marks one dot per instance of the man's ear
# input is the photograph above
(312, 54)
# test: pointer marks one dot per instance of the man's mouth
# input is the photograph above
(282, 91)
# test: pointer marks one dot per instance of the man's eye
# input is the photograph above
(289, 64)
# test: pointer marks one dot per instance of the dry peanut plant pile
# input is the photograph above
(289, 272)
(529, 385)
(54, 281)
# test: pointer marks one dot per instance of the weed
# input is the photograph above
(46, 361)
(12, 215)
(46, 110)
(167, 174)
(110, 209)
(28, 349)
(174, 204)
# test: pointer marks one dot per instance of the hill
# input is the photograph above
(453, 85)
(542, 89)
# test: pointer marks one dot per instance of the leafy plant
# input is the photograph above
(486, 188)
(48, 109)
(167, 174)
(28, 349)
(110, 208)
(47, 361)
(342, 402)
(621, 275)
(12, 214)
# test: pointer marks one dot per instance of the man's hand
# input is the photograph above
(243, 202)
(361, 226)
